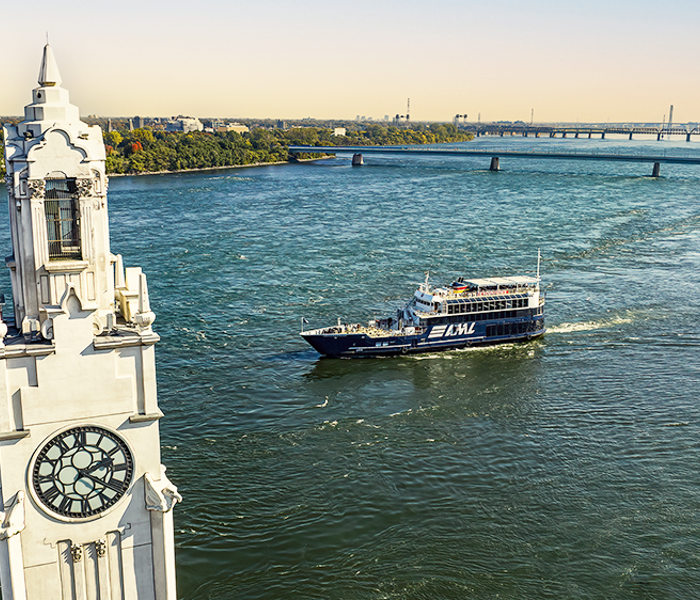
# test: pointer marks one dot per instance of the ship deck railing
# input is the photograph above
(508, 292)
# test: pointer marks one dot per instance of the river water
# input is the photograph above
(562, 468)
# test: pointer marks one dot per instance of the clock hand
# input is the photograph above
(103, 463)
(116, 486)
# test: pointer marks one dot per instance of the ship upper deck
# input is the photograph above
(476, 295)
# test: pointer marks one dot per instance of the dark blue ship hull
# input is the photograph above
(340, 343)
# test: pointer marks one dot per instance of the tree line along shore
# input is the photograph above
(147, 151)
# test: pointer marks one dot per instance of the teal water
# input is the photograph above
(562, 468)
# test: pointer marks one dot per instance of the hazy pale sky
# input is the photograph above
(592, 60)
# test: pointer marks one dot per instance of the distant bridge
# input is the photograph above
(575, 131)
(665, 156)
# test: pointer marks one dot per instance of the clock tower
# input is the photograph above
(86, 507)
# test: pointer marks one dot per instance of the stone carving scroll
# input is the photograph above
(37, 188)
(12, 519)
(86, 187)
(161, 495)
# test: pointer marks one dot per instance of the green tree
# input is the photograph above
(145, 136)
(112, 138)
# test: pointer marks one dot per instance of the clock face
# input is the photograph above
(82, 471)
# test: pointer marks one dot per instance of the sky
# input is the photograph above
(546, 60)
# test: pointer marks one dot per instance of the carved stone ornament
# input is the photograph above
(76, 551)
(144, 320)
(85, 187)
(160, 495)
(13, 518)
(37, 188)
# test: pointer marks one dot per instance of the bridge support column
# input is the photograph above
(495, 164)
(658, 136)
(576, 136)
(630, 135)
(552, 134)
(687, 137)
(602, 136)
(656, 171)
(357, 160)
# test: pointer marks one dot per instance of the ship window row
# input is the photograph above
(503, 314)
(512, 328)
(488, 305)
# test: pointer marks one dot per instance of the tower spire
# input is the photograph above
(49, 75)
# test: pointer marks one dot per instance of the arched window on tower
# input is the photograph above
(62, 206)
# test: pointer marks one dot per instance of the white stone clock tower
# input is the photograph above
(86, 506)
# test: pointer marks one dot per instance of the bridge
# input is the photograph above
(665, 156)
(576, 131)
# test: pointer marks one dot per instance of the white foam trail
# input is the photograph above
(589, 325)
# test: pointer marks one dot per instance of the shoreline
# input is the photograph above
(221, 168)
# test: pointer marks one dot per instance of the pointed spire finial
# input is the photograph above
(48, 73)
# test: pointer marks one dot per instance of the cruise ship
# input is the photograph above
(468, 312)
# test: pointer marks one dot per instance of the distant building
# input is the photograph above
(281, 124)
(238, 127)
(184, 124)
(219, 126)
(339, 131)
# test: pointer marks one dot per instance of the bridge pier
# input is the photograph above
(630, 135)
(656, 170)
(602, 136)
(687, 137)
(357, 160)
(495, 164)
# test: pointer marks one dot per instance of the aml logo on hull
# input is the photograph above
(451, 330)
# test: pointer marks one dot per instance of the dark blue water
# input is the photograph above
(562, 468)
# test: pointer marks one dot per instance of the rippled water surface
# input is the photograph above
(562, 468)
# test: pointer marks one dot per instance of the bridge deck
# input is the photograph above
(661, 157)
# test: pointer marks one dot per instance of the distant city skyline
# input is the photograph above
(547, 60)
